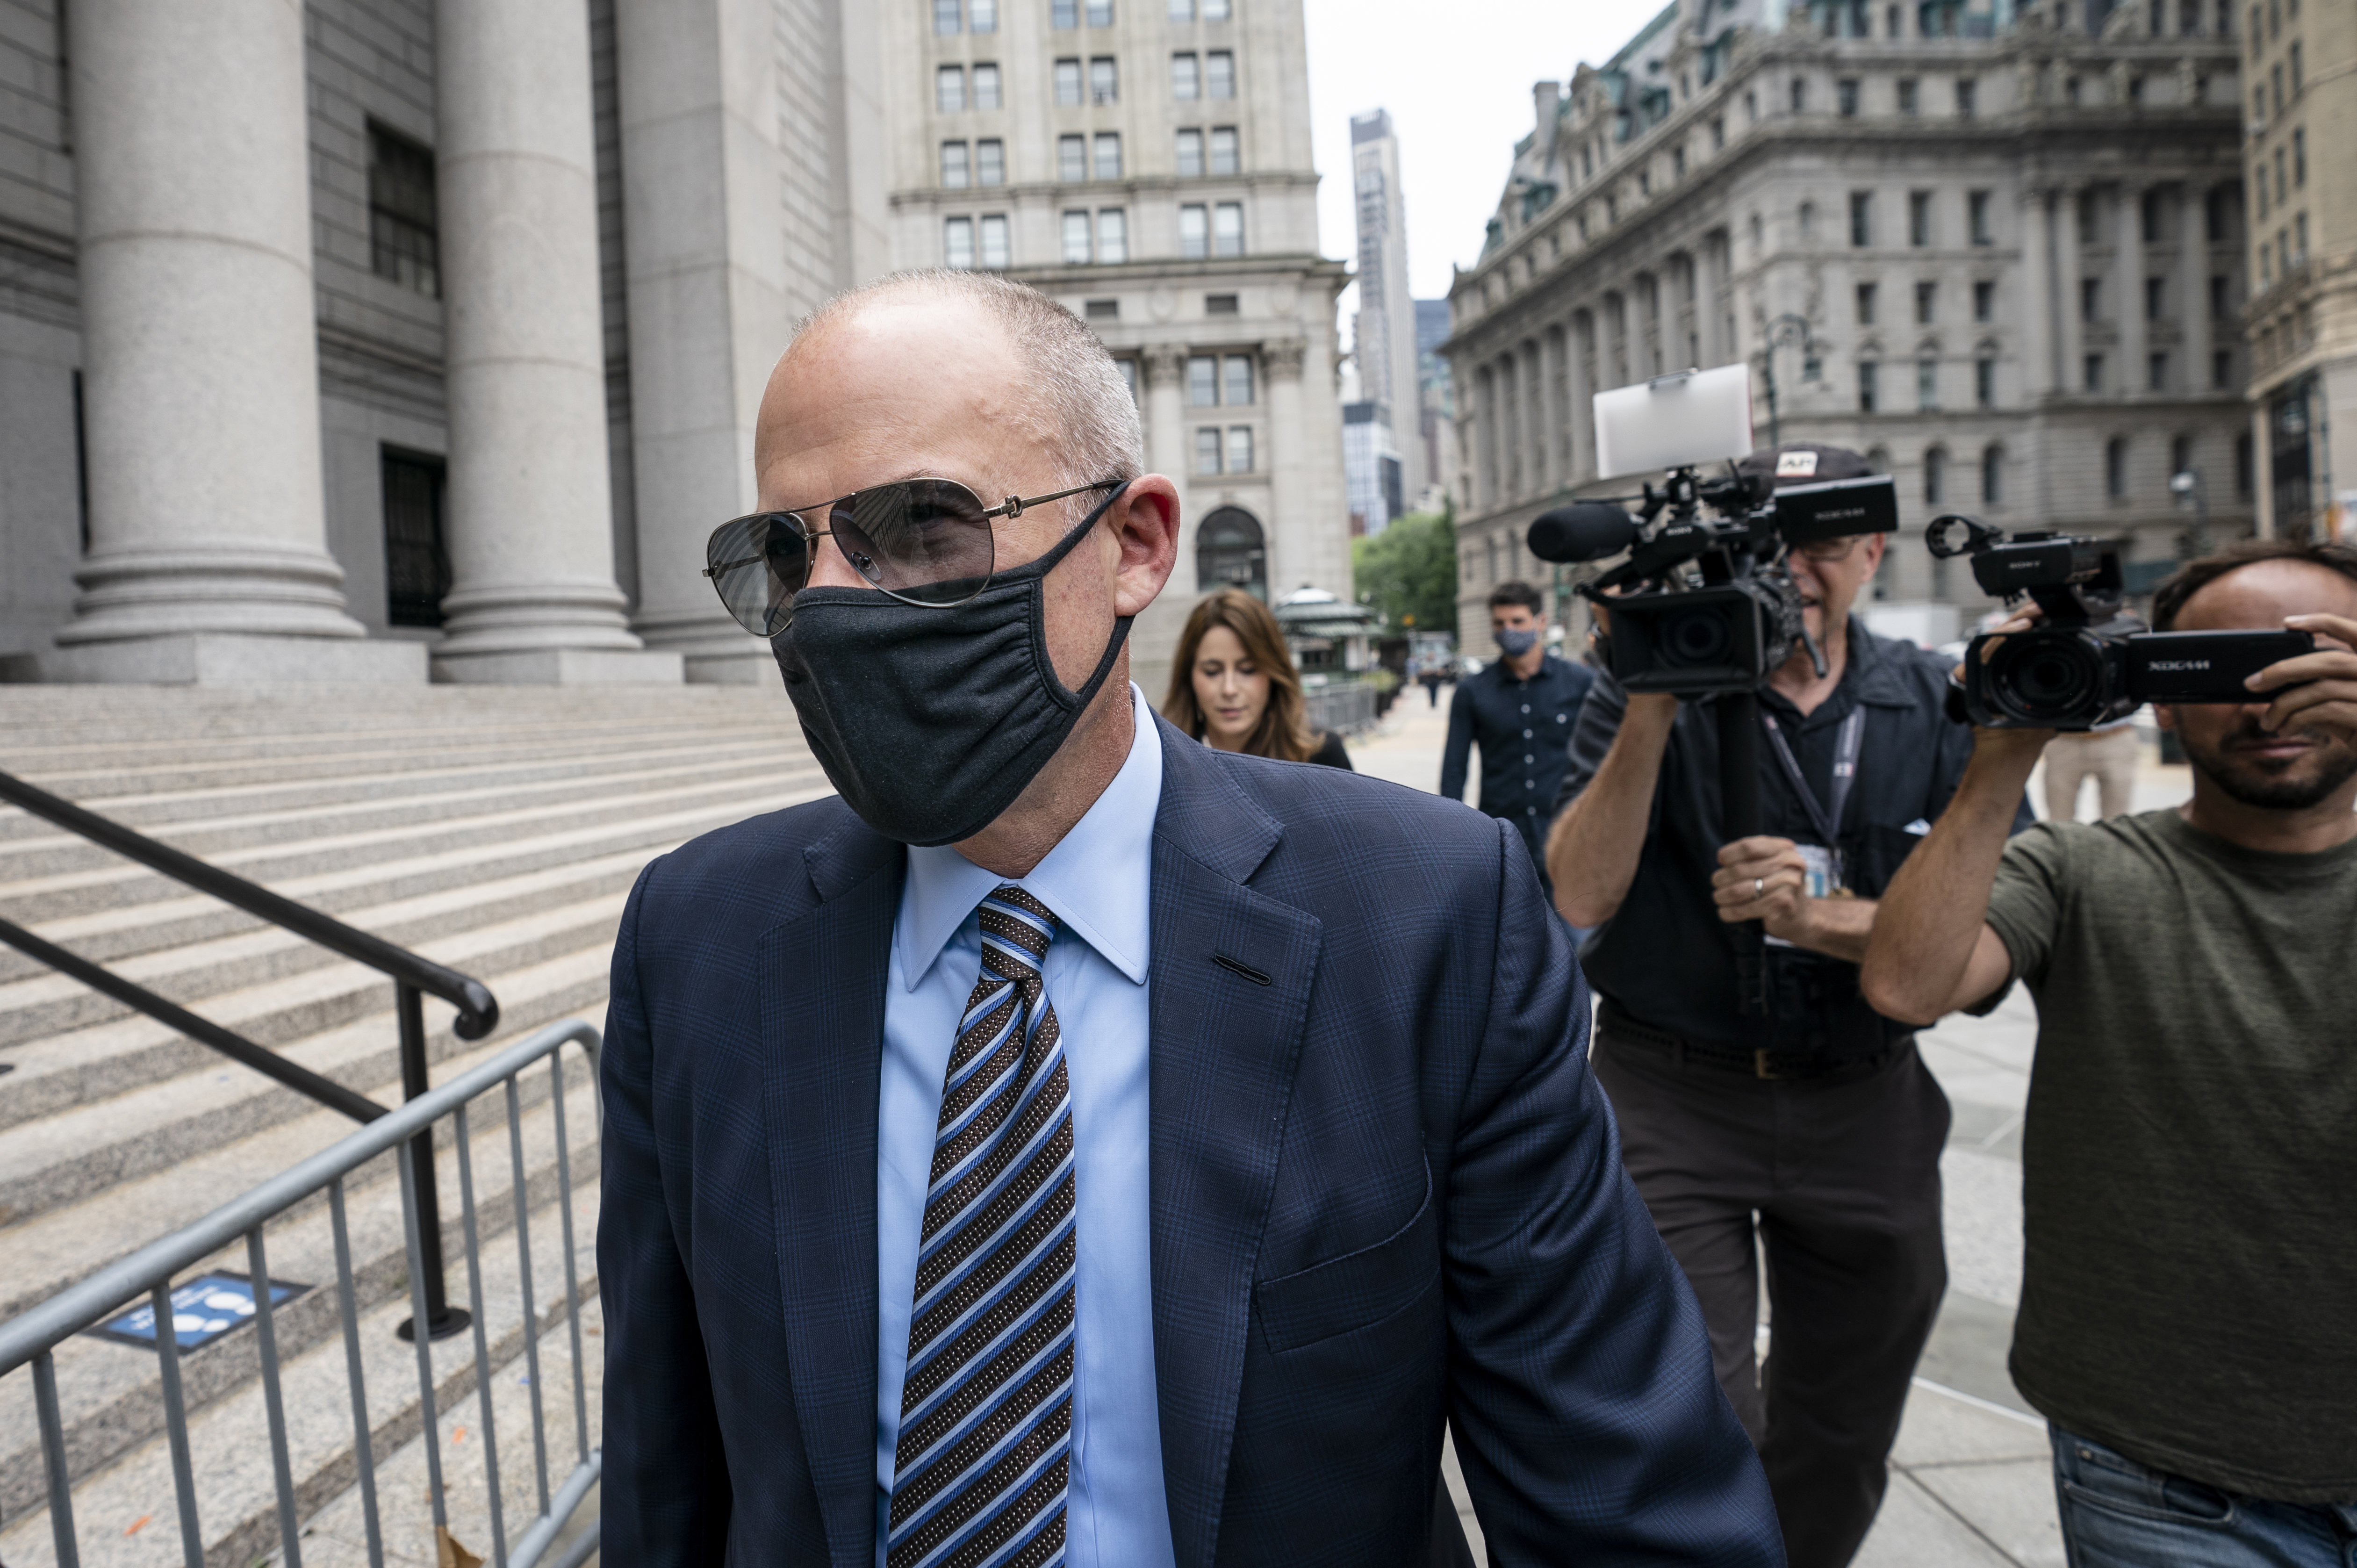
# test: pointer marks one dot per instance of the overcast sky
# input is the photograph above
(1457, 79)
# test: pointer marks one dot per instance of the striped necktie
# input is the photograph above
(984, 1450)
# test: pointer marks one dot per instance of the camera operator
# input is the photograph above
(2189, 1305)
(1819, 1118)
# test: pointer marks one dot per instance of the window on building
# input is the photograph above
(1800, 95)
(1113, 235)
(1907, 105)
(2283, 187)
(1191, 153)
(2299, 233)
(1180, 10)
(2244, 476)
(1216, 10)
(1977, 218)
(2298, 77)
(1202, 382)
(1240, 449)
(1927, 385)
(1219, 304)
(1985, 382)
(416, 551)
(990, 162)
(1186, 76)
(1919, 217)
(1104, 80)
(1207, 450)
(985, 87)
(1228, 229)
(1100, 13)
(956, 171)
(995, 252)
(2087, 217)
(1076, 238)
(2091, 299)
(1108, 150)
(2274, 81)
(1224, 158)
(1935, 476)
(1808, 222)
(1927, 303)
(1064, 14)
(1968, 95)
(1105, 310)
(2216, 209)
(1194, 232)
(1678, 163)
(1861, 218)
(2181, 453)
(1128, 372)
(2298, 156)
(2156, 371)
(1068, 84)
(982, 15)
(1219, 74)
(1866, 386)
(1236, 370)
(1992, 475)
(2155, 297)
(945, 17)
(949, 89)
(2220, 307)
(405, 242)
(957, 242)
(2092, 376)
(2151, 215)
(2115, 467)
(1718, 133)
(1845, 97)
(2222, 368)
(1866, 301)
(1072, 159)
(1985, 300)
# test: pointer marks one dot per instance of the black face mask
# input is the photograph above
(929, 721)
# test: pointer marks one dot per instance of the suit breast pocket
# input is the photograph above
(1357, 1290)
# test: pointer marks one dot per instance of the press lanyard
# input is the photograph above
(1846, 747)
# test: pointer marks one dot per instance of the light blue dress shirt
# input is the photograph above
(1098, 882)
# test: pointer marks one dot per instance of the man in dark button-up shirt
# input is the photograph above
(1520, 711)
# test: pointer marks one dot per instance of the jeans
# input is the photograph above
(2119, 1514)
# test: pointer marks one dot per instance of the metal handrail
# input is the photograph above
(412, 977)
(479, 1010)
(33, 1335)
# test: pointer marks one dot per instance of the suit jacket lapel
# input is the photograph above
(1224, 1046)
(822, 976)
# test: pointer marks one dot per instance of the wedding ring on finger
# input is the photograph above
(1758, 888)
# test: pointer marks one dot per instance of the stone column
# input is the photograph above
(208, 557)
(2037, 296)
(1555, 369)
(704, 253)
(531, 504)
(2263, 472)
(2069, 272)
(2193, 288)
(1165, 367)
(2127, 271)
(1293, 557)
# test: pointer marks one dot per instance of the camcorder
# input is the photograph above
(2088, 662)
(1705, 604)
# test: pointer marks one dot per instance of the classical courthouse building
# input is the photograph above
(1148, 162)
(2000, 249)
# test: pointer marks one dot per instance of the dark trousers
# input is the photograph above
(1838, 1177)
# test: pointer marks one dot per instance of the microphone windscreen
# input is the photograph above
(1584, 530)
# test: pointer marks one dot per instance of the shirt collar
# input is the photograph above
(1096, 879)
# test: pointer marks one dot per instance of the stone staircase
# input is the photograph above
(494, 829)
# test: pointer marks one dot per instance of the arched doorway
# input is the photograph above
(1230, 553)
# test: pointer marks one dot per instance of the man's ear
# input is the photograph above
(1144, 521)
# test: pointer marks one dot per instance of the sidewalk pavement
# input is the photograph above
(1972, 1481)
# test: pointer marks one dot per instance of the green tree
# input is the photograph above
(1410, 569)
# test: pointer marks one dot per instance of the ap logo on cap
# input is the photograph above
(1796, 465)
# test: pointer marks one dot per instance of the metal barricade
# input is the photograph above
(32, 1336)
(1346, 706)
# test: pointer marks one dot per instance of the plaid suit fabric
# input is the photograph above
(1386, 1195)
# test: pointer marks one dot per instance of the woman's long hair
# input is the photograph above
(1283, 731)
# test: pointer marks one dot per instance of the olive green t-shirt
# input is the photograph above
(2190, 1160)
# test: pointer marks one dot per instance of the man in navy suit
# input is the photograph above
(1070, 1143)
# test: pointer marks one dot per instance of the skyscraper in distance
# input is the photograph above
(1386, 321)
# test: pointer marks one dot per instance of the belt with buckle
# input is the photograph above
(1760, 1062)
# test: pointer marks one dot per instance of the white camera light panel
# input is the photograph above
(1671, 422)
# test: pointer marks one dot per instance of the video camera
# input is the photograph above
(1715, 608)
(2089, 662)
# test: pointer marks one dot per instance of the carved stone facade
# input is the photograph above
(2006, 261)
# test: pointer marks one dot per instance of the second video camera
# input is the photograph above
(2088, 662)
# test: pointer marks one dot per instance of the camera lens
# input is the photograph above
(1695, 636)
(2047, 678)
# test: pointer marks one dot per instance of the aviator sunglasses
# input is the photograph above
(924, 542)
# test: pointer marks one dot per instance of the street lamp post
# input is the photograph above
(2186, 485)
(1789, 328)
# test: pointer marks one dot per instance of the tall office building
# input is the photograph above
(1436, 424)
(1999, 249)
(2301, 73)
(1148, 162)
(336, 343)
(1386, 318)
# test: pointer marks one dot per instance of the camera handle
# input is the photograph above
(1738, 805)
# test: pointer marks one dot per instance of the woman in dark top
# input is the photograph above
(1234, 687)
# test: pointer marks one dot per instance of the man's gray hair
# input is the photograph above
(1081, 409)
